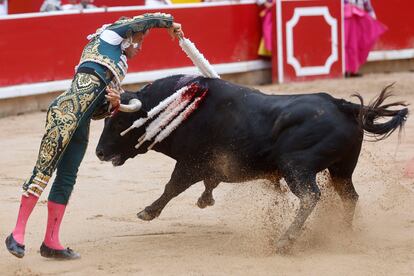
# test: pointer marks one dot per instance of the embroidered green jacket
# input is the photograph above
(104, 52)
(105, 46)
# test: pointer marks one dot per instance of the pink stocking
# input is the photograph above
(54, 218)
(27, 204)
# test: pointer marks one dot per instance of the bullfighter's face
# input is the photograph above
(114, 147)
(136, 46)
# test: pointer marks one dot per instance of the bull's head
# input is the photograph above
(114, 147)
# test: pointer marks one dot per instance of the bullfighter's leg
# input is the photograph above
(181, 179)
(303, 185)
(206, 198)
(63, 119)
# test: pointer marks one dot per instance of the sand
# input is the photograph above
(234, 237)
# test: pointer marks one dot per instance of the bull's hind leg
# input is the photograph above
(303, 185)
(345, 188)
(206, 198)
(182, 178)
(278, 186)
(341, 178)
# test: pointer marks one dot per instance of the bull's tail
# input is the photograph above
(368, 116)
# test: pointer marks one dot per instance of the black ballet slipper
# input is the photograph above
(64, 254)
(14, 247)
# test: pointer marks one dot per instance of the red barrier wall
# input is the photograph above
(47, 48)
(25, 6)
(398, 16)
(117, 3)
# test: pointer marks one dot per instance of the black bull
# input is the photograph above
(239, 134)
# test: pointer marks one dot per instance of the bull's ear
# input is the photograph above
(144, 87)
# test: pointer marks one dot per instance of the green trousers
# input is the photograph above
(65, 140)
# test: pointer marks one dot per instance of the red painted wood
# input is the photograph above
(26, 6)
(311, 39)
(117, 3)
(23, 6)
(398, 16)
(312, 48)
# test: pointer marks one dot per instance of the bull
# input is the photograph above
(239, 134)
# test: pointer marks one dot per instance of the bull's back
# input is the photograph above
(241, 124)
(231, 116)
(228, 131)
(312, 128)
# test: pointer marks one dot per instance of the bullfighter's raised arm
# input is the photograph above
(141, 23)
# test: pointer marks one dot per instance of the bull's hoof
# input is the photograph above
(144, 215)
(284, 247)
(203, 203)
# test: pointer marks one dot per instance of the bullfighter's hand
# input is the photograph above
(175, 30)
(113, 96)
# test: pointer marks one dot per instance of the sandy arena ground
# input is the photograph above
(235, 236)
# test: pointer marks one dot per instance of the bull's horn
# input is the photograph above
(133, 106)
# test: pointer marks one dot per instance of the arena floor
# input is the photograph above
(235, 236)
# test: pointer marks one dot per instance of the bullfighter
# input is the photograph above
(94, 94)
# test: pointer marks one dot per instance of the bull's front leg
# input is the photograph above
(206, 198)
(182, 178)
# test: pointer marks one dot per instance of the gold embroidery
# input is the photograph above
(62, 120)
(36, 184)
(91, 53)
(136, 24)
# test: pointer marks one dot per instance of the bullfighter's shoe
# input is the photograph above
(14, 247)
(64, 254)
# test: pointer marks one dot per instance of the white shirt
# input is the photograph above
(155, 3)
(68, 7)
(50, 5)
(3, 8)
